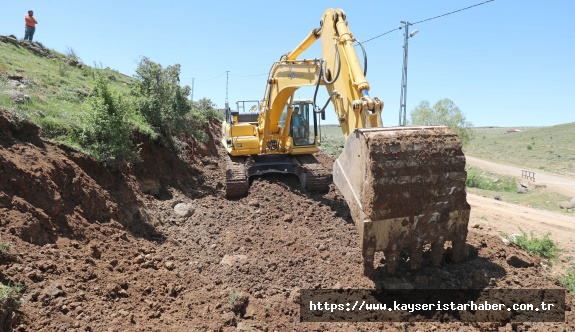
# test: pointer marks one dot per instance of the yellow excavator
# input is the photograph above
(405, 186)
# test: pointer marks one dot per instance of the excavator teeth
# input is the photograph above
(415, 255)
(405, 188)
(437, 250)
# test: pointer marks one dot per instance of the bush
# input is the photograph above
(544, 247)
(10, 291)
(4, 248)
(477, 178)
(202, 112)
(10, 300)
(161, 100)
(568, 279)
(107, 132)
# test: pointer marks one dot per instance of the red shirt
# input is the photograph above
(30, 21)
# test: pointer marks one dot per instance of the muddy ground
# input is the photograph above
(112, 249)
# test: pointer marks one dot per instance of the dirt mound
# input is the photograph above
(103, 249)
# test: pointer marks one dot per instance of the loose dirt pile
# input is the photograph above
(112, 249)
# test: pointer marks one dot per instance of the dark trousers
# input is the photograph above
(29, 33)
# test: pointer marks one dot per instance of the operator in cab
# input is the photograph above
(297, 123)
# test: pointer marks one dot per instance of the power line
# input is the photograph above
(227, 72)
(429, 19)
(249, 75)
(455, 11)
(383, 34)
(213, 78)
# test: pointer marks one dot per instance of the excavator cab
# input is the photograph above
(301, 131)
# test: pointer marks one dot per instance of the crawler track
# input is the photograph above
(314, 177)
(237, 184)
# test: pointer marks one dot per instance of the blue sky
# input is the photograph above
(504, 63)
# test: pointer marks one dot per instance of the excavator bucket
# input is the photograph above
(405, 187)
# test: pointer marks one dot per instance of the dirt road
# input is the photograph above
(560, 184)
(496, 217)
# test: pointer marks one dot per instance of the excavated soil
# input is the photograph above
(156, 246)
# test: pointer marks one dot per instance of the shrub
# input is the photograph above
(10, 296)
(477, 178)
(569, 279)
(10, 291)
(107, 133)
(544, 247)
(4, 249)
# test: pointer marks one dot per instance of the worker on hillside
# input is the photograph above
(31, 22)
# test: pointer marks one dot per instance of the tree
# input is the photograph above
(160, 98)
(443, 113)
(208, 109)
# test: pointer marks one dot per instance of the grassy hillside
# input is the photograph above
(549, 149)
(95, 109)
(49, 88)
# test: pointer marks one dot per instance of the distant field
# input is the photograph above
(550, 149)
(331, 139)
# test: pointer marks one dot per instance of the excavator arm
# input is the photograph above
(349, 95)
(351, 101)
(405, 186)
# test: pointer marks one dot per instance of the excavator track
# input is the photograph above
(314, 177)
(406, 189)
(237, 184)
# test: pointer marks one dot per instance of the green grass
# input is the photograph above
(481, 179)
(58, 93)
(543, 247)
(550, 149)
(57, 90)
(484, 183)
(233, 297)
(10, 300)
(568, 279)
(4, 248)
(331, 139)
(10, 292)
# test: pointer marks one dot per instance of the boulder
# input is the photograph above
(568, 205)
(184, 209)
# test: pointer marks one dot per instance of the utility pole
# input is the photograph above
(403, 96)
(227, 76)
